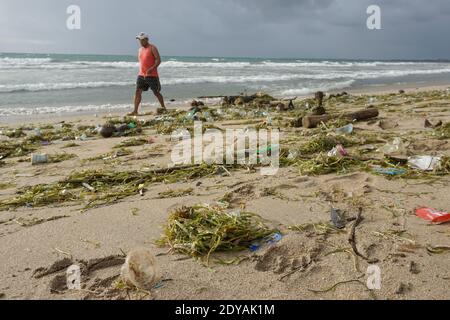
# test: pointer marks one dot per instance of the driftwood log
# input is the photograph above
(314, 121)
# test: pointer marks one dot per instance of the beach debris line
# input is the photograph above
(259, 99)
(202, 230)
(140, 269)
(13, 149)
(110, 186)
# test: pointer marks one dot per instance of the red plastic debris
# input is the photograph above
(433, 215)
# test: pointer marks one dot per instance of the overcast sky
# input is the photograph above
(411, 29)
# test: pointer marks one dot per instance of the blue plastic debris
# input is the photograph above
(389, 171)
(272, 239)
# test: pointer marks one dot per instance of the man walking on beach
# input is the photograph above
(149, 61)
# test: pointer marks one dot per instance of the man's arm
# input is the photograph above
(157, 59)
(157, 56)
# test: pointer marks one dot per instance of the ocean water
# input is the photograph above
(48, 83)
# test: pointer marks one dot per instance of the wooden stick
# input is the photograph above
(352, 238)
(314, 121)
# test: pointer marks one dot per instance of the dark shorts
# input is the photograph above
(146, 83)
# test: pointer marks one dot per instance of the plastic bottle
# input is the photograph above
(348, 129)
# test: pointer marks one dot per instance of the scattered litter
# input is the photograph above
(159, 286)
(433, 215)
(39, 158)
(276, 237)
(337, 218)
(404, 288)
(337, 151)
(438, 249)
(387, 124)
(396, 146)
(37, 132)
(414, 268)
(87, 186)
(348, 129)
(83, 137)
(429, 124)
(25, 175)
(269, 240)
(425, 163)
(389, 171)
(140, 269)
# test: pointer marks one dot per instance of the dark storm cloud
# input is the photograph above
(270, 28)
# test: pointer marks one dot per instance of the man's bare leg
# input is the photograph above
(160, 98)
(137, 101)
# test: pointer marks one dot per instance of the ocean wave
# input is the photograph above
(324, 87)
(22, 111)
(49, 64)
(248, 78)
(295, 64)
(278, 77)
(6, 63)
(89, 108)
(9, 63)
(217, 64)
(35, 87)
(341, 64)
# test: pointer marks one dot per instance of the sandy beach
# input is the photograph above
(313, 260)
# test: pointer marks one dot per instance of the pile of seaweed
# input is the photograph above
(201, 230)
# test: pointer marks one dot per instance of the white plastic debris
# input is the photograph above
(397, 146)
(38, 158)
(337, 151)
(425, 163)
(140, 269)
(348, 129)
(37, 132)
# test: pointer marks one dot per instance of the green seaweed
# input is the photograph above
(201, 230)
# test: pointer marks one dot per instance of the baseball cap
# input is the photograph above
(142, 35)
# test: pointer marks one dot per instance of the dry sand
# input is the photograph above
(408, 270)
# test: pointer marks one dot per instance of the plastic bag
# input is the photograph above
(348, 129)
(425, 163)
(433, 215)
(337, 151)
(396, 146)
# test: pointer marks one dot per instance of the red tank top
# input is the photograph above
(146, 61)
